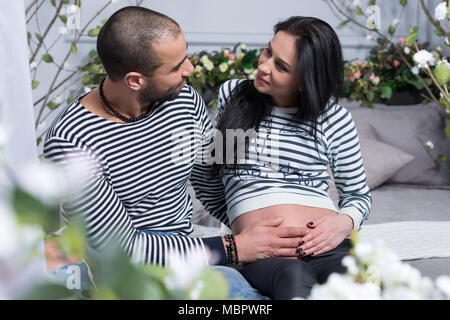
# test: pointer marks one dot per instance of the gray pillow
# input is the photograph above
(408, 128)
(381, 161)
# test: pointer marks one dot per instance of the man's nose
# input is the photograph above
(188, 68)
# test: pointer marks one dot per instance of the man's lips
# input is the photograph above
(260, 79)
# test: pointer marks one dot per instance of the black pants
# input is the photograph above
(283, 279)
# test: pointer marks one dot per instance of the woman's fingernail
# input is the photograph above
(299, 249)
(302, 254)
(301, 242)
(311, 223)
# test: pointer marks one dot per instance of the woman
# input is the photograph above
(299, 130)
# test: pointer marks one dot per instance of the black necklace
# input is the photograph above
(119, 115)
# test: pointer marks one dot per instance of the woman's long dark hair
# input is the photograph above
(320, 69)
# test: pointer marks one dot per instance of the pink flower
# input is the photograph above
(230, 56)
(372, 77)
(402, 41)
(357, 74)
(396, 63)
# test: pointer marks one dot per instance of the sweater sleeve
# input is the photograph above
(105, 216)
(208, 187)
(344, 154)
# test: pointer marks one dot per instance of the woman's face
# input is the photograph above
(277, 74)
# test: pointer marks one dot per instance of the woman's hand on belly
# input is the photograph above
(267, 239)
(326, 234)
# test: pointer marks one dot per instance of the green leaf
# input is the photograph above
(85, 80)
(48, 292)
(442, 158)
(412, 37)
(92, 53)
(93, 68)
(66, 1)
(53, 3)
(386, 92)
(94, 32)
(391, 30)
(447, 129)
(343, 23)
(438, 32)
(47, 58)
(403, 2)
(74, 49)
(53, 105)
(442, 73)
(38, 37)
(370, 95)
(34, 84)
(28, 209)
(63, 18)
(358, 11)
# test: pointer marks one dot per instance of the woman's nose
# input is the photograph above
(264, 67)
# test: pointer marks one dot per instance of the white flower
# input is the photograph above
(441, 11)
(395, 22)
(33, 65)
(58, 99)
(344, 288)
(204, 58)
(4, 136)
(66, 65)
(443, 61)
(198, 69)
(223, 67)
(248, 71)
(62, 30)
(114, 1)
(72, 9)
(423, 58)
(350, 263)
(429, 145)
(41, 126)
(356, 3)
(415, 70)
(369, 37)
(232, 72)
(185, 268)
(208, 65)
(406, 50)
(243, 47)
(443, 284)
(364, 251)
(252, 75)
(226, 52)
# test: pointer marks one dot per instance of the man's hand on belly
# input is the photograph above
(268, 239)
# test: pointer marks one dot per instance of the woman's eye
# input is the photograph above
(281, 67)
(269, 52)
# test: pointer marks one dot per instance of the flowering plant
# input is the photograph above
(374, 272)
(431, 69)
(214, 68)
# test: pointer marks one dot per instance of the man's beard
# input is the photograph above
(151, 95)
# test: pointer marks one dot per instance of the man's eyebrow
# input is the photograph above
(279, 59)
(181, 62)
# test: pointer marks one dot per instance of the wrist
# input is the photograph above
(348, 221)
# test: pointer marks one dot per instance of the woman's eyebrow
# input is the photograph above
(287, 65)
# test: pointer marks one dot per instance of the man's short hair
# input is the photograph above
(125, 42)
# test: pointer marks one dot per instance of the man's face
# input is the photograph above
(166, 82)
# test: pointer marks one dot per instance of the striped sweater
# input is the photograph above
(134, 183)
(287, 165)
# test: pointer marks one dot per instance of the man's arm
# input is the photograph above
(107, 219)
(208, 187)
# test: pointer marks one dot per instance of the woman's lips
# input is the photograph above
(260, 79)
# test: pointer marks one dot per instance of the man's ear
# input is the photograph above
(134, 80)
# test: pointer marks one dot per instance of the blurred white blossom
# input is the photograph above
(429, 145)
(424, 58)
(440, 12)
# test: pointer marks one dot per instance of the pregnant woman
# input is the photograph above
(296, 129)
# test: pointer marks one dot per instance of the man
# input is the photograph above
(136, 190)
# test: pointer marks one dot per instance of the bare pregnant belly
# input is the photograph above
(294, 216)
